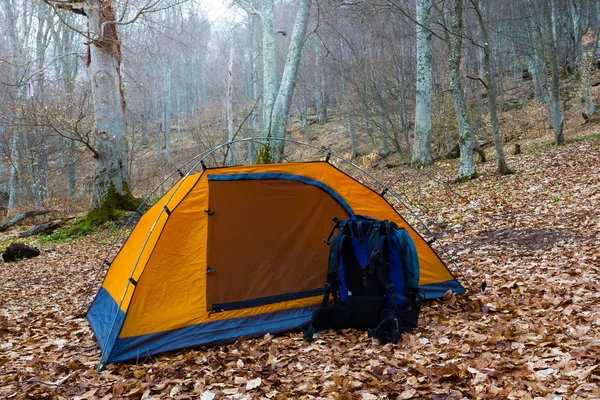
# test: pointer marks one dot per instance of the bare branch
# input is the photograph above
(248, 7)
(476, 78)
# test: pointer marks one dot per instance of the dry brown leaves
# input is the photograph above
(534, 333)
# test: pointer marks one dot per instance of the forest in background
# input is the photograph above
(407, 81)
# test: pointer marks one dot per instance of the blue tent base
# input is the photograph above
(437, 290)
(210, 333)
(102, 313)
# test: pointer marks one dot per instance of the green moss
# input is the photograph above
(584, 138)
(467, 178)
(265, 153)
(111, 209)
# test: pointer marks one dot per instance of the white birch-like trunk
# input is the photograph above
(466, 135)
(110, 164)
(421, 154)
(281, 108)
(269, 57)
(253, 86)
(16, 59)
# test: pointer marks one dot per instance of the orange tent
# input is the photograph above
(235, 251)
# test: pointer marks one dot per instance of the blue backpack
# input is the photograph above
(373, 277)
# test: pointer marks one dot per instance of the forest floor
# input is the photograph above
(533, 333)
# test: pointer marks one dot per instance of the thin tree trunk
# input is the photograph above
(586, 68)
(230, 127)
(465, 129)
(167, 112)
(382, 106)
(557, 112)
(403, 108)
(491, 91)
(421, 154)
(349, 120)
(71, 169)
(320, 103)
(178, 122)
(537, 67)
(253, 87)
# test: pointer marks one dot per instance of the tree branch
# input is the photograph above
(476, 78)
(248, 7)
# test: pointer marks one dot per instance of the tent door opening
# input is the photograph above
(265, 239)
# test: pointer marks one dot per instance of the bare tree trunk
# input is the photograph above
(16, 75)
(320, 103)
(586, 68)
(403, 108)
(491, 90)
(178, 99)
(349, 120)
(158, 129)
(549, 45)
(111, 180)
(167, 112)
(421, 154)
(253, 86)
(466, 136)
(144, 128)
(536, 65)
(281, 108)
(382, 106)
(230, 127)
(269, 65)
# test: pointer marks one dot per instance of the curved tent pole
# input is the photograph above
(259, 140)
(386, 189)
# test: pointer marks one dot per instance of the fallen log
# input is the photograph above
(46, 227)
(20, 217)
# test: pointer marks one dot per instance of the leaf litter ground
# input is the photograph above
(534, 333)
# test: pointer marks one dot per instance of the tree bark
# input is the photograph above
(421, 154)
(281, 108)
(111, 180)
(549, 45)
(466, 136)
(347, 105)
(230, 127)
(269, 57)
(167, 111)
(320, 103)
(491, 90)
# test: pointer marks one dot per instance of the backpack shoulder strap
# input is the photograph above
(333, 274)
